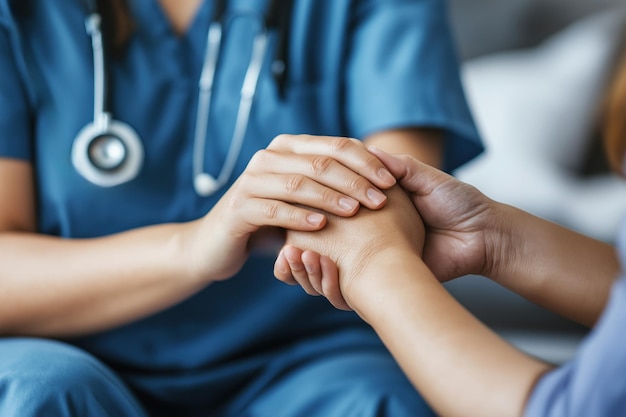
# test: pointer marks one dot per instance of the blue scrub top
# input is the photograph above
(355, 67)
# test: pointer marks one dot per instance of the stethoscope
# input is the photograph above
(108, 152)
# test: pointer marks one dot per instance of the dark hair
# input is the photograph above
(117, 24)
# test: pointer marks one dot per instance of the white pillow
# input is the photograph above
(536, 109)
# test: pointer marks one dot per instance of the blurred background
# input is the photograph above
(535, 73)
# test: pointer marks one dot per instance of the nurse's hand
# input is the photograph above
(329, 262)
(278, 190)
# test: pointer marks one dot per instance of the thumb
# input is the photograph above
(414, 176)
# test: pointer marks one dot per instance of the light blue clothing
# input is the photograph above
(355, 67)
(594, 382)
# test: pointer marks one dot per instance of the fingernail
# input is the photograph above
(386, 176)
(348, 203)
(315, 219)
(375, 196)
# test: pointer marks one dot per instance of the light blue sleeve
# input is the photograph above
(403, 71)
(15, 119)
(594, 383)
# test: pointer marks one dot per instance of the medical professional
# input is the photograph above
(390, 268)
(150, 150)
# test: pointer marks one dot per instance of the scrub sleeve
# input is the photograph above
(593, 383)
(403, 71)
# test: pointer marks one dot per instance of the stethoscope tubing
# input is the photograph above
(92, 25)
(204, 183)
(104, 128)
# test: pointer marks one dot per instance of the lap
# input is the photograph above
(359, 381)
(45, 377)
(347, 375)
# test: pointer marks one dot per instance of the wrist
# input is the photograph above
(192, 254)
(502, 242)
(379, 277)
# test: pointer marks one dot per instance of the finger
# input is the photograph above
(323, 169)
(298, 270)
(413, 175)
(282, 272)
(350, 152)
(311, 261)
(259, 212)
(396, 165)
(302, 190)
(330, 284)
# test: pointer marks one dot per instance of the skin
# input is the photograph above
(180, 13)
(396, 287)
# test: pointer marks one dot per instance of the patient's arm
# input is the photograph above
(468, 233)
(552, 266)
(457, 363)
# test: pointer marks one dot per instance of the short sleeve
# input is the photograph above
(403, 71)
(593, 384)
(15, 120)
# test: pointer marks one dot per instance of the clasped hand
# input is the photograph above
(293, 184)
(458, 221)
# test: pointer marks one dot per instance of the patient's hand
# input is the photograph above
(351, 244)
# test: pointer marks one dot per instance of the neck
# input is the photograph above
(180, 13)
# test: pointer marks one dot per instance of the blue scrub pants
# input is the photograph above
(53, 379)
(47, 378)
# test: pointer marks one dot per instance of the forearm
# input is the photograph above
(55, 287)
(423, 144)
(559, 269)
(457, 363)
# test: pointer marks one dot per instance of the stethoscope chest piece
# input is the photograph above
(107, 153)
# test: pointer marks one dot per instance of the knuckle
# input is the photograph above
(271, 210)
(321, 164)
(370, 161)
(296, 216)
(279, 140)
(294, 183)
(340, 145)
(260, 158)
(354, 183)
(326, 196)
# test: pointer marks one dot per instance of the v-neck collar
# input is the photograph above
(152, 18)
